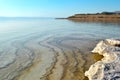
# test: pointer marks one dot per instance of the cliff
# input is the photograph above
(109, 67)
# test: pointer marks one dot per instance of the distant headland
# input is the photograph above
(97, 17)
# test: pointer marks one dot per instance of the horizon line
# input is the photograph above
(24, 17)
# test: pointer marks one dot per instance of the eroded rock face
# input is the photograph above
(109, 67)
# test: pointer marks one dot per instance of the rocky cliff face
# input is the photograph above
(109, 67)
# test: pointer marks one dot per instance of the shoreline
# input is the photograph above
(108, 67)
(114, 18)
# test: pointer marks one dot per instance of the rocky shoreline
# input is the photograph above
(109, 67)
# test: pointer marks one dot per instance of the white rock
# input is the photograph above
(109, 67)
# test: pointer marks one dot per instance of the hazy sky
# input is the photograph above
(55, 8)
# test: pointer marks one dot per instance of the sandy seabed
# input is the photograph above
(46, 57)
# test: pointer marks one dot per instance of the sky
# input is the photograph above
(55, 8)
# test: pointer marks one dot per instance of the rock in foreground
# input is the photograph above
(109, 67)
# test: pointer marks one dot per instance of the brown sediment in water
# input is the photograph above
(97, 57)
(73, 67)
(70, 64)
(63, 58)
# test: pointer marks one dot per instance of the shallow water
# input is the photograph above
(49, 49)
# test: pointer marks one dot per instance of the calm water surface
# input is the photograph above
(11, 28)
(45, 48)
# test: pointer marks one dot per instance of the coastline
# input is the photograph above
(112, 18)
(108, 67)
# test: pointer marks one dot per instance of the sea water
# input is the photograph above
(24, 41)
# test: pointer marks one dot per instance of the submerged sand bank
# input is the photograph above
(49, 58)
(67, 63)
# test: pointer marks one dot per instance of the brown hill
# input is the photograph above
(104, 17)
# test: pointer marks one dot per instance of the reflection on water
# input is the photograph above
(49, 49)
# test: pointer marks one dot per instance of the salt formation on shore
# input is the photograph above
(109, 67)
